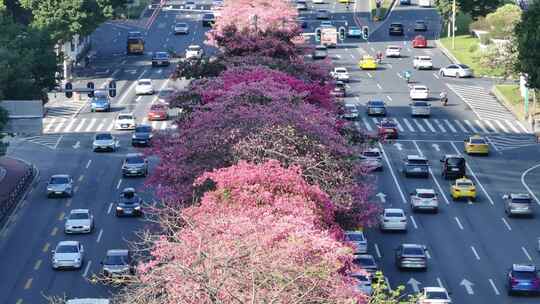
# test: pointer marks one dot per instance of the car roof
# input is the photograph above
(435, 289)
(524, 267)
(419, 86)
(125, 113)
(194, 45)
(69, 243)
(453, 156)
(393, 46)
(60, 175)
(80, 211)
(424, 190)
(133, 154)
(373, 150)
(419, 37)
(393, 210)
(410, 245)
(416, 157)
(423, 57)
(463, 179)
(354, 232)
(396, 23)
(128, 189)
(117, 252)
(145, 80)
(340, 68)
(520, 195)
(364, 256)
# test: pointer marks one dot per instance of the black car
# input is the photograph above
(396, 29)
(130, 203)
(135, 164)
(416, 165)
(340, 90)
(366, 262)
(453, 166)
(323, 14)
(420, 26)
(142, 136)
(523, 278)
(302, 22)
(411, 256)
(118, 262)
(320, 52)
(208, 19)
(161, 59)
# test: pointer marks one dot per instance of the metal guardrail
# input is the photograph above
(11, 201)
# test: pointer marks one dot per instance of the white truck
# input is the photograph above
(329, 36)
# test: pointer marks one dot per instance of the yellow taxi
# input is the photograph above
(463, 188)
(367, 63)
(476, 144)
(345, 1)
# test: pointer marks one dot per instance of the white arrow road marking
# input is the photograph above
(468, 286)
(475, 253)
(398, 146)
(458, 223)
(506, 224)
(77, 145)
(414, 284)
(526, 253)
(436, 147)
(394, 177)
(494, 287)
(382, 197)
(377, 251)
(413, 222)
(87, 268)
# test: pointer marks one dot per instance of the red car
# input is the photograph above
(387, 129)
(158, 112)
(419, 42)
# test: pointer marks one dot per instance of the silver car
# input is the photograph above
(181, 28)
(358, 240)
(518, 204)
(372, 158)
(79, 221)
(363, 283)
(457, 70)
(393, 219)
(135, 164)
(420, 108)
(424, 199)
(60, 185)
(118, 262)
(68, 254)
(105, 142)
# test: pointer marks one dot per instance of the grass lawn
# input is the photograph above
(385, 6)
(465, 47)
(513, 96)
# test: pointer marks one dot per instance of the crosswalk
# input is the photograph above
(65, 109)
(59, 125)
(481, 102)
(450, 126)
(511, 141)
(49, 140)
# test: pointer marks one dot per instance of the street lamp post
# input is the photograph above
(453, 24)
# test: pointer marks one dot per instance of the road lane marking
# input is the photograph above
(494, 287)
(118, 185)
(49, 126)
(527, 186)
(75, 189)
(88, 163)
(389, 98)
(399, 75)
(70, 125)
(474, 176)
(439, 281)
(369, 75)
(526, 253)
(28, 284)
(60, 125)
(413, 222)
(99, 235)
(19, 301)
(46, 247)
(475, 253)
(61, 216)
(458, 223)
(80, 125)
(393, 174)
(469, 124)
(38, 264)
(68, 202)
(87, 268)
(80, 178)
(428, 255)
(506, 224)
(379, 86)
(490, 125)
(138, 98)
(501, 126)
(377, 251)
(110, 208)
(438, 123)
(389, 65)
(432, 175)
(435, 75)
(54, 231)
(481, 126)
(130, 88)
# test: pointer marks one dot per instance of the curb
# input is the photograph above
(388, 14)
(502, 100)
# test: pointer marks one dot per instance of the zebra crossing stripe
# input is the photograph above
(469, 124)
(461, 126)
(429, 125)
(101, 125)
(81, 124)
(154, 124)
(70, 125)
(481, 126)
(145, 121)
(440, 125)
(450, 126)
(163, 125)
(419, 125)
(501, 126)
(400, 128)
(512, 126)
(111, 126)
(375, 120)
(490, 126)
(59, 125)
(408, 124)
(91, 125)
(522, 127)
(366, 123)
(49, 125)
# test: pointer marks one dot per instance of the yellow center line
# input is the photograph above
(61, 216)
(54, 231)
(28, 284)
(38, 264)
(46, 247)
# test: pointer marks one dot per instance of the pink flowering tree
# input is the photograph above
(261, 235)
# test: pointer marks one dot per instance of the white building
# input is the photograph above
(74, 52)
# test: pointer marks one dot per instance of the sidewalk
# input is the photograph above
(15, 177)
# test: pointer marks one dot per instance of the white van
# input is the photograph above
(88, 301)
(424, 3)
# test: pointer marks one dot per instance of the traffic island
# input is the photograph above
(510, 96)
(379, 14)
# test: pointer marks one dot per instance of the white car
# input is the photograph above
(393, 219)
(181, 28)
(393, 51)
(105, 142)
(318, 1)
(420, 108)
(424, 199)
(68, 254)
(423, 62)
(144, 87)
(341, 74)
(359, 241)
(457, 70)
(419, 92)
(79, 221)
(125, 121)
(351, 111)
(194, 52)
(434, 295)
(372, 158)
(363, 283)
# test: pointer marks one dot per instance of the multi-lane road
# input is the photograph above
(470, 245)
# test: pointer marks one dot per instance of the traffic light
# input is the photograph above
(112, 88)
(341, 33)
(318, 34)
(365, 32)
(90, 86)
(68, 90)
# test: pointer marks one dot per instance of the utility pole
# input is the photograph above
(453, 24)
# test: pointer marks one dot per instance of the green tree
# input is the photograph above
(502, 21)
(383, 295)
(527, 37)
(3, 122)
(478, 8)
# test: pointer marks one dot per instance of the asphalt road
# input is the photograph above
(470, 245)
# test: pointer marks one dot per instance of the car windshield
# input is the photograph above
(417, 162)
(371, 154)
(436, 295)
(394, 48)
(424, 58)
(194, 48)
(420, 22)
(354, 28)
(115, 260)
(454, 161)
(100, 100)
(463, 66)
(144, 82)
(521, 201)
(355, 237)
(388, 124)
(123, 117)
(341, 70)
(128, 194)
(478, 141)
(67, 249)
(464, 184)
(376, 103)
(143, 129)
(394, 214)
(425, 195)
(419, 89)
(420, 104)
(360, 277)
(103, 136)
(524, 275)
(161, 55)
(413, 251)
(79, 216)
(181, 25)
(365, 261)
(59, 180)
(135, 160)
